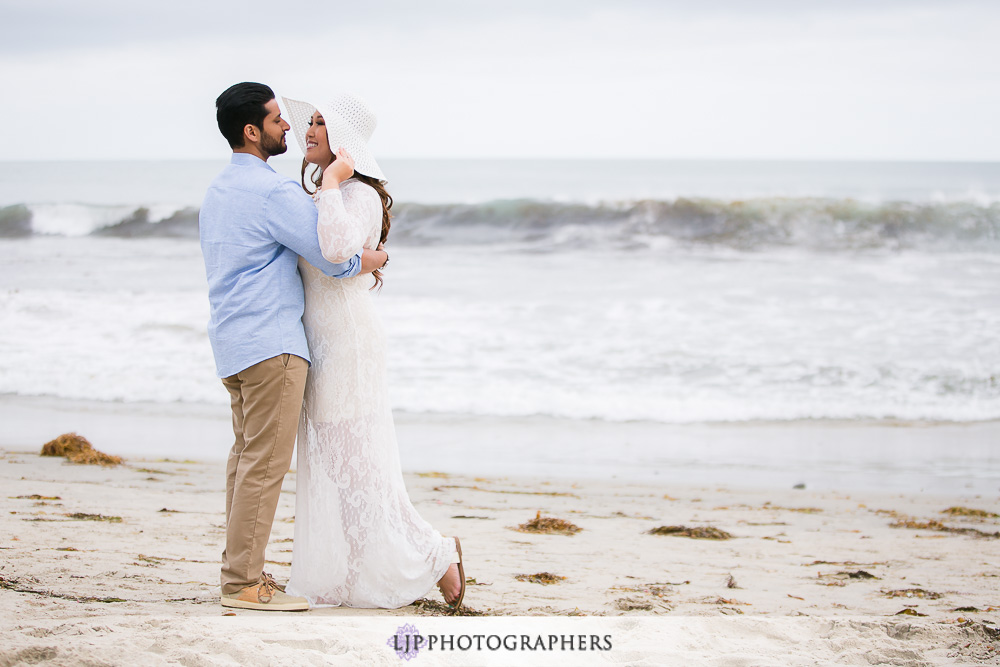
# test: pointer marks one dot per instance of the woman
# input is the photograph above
(358, 540)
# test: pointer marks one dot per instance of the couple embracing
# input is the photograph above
(301, 351)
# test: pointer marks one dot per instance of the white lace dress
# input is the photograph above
(358, 540)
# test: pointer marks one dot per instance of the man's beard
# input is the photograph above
(271, 146)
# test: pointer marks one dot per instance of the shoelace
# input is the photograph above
(266, 588)
(276, 584)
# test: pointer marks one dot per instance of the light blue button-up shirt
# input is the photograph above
(254, 225)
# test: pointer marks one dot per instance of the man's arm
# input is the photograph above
(373, 259)
(291, 220)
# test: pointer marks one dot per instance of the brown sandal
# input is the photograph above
(461, 575)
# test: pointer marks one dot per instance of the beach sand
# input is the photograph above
(120, 565)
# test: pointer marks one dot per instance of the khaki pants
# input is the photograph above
(267, 401)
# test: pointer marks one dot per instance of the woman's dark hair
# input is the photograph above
(240, 105)
(316, 178)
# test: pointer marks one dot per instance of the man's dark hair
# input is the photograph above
(240, 105)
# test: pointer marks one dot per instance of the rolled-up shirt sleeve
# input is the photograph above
(291, 219)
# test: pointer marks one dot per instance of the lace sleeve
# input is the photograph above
(344, 223)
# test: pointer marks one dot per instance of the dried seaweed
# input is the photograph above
(844, 576)
(471, 581)
(548, 525)
(427, 607)
(78, 449)
(622, 515)
(912, 593)
(656, 590)
(176, 560)
(544, 578)
(722, 600)
(83, 516)
(803, 510)
(698, 532)
(844, 563)
(968, 511)
(632, 604)
(934, 524)
(764, 523)
(35, 496)
(908, 612)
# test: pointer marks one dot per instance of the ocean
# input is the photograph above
(662, 291)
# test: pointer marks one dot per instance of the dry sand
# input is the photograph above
(119, 565)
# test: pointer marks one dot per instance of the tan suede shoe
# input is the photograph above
(264, 596)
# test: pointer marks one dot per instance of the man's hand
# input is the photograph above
(373, 259)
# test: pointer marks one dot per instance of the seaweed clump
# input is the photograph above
(968, 511)
(844, 576)
(698, 532)
(83, 516)
(912, 593)
(425, 607)
(632, 604)
(544, 578)
(548, 525)
(78, 449)
(934, 524)
(908, 612)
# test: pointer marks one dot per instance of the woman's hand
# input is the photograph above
(338, 171)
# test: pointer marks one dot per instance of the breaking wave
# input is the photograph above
(811, 223)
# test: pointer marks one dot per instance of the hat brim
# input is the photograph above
(339, 133)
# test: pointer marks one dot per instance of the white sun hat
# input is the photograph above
(350, 123)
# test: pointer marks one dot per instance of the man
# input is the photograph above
(254, 225)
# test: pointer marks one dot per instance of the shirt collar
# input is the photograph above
(248, 160)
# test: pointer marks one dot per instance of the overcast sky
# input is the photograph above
(809, 79)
